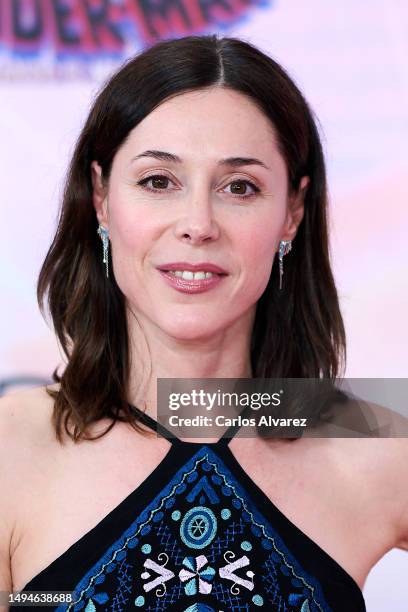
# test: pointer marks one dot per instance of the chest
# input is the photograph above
(75, 492)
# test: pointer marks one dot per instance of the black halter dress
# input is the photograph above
(198, 535)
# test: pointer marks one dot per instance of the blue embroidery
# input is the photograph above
(198, 527)
(196, 540)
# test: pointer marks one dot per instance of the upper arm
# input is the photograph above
(396, 427)
(403, 541)
(7, 405)
(401, 476)
(392, 451)
(5, 565)
(403, 523)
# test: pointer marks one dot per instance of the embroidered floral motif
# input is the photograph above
(198, 573)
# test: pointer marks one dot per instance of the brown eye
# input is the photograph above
(239, 189)
(157, 182)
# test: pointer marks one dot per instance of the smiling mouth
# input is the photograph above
(187, 281)
(188, 275)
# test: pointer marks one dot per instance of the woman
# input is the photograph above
(192, 243)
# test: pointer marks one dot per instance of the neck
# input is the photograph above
(154, 354)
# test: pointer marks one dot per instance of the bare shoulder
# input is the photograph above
(27, 438)
(377, 443)
(387, 423)
(391, 450)
(23, 416)
(379, 468)
(25, 432)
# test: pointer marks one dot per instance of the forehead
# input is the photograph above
(213, 123)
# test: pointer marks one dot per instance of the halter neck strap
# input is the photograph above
(166, 433)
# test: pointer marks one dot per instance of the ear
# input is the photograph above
(295, 210)
(99, 194)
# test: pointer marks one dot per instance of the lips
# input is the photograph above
(192, 286)
(199, 267)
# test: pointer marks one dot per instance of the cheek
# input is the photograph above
(131, 221)
(127, 247)
(131, 230)
(257, 250)
(129, 238)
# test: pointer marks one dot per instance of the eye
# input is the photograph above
(238, 188)
(159, 182)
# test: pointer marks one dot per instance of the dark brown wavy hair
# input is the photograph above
(298, 331)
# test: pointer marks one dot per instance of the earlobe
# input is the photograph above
(99, 195)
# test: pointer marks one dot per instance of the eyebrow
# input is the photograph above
(228, 161)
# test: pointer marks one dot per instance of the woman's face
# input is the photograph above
(215, 195)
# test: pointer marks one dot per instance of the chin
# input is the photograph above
(192, 327)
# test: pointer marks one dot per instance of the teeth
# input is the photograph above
(187, 275)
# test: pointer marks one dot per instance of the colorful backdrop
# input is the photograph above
(348, 57)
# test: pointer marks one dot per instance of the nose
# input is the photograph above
(197, 225)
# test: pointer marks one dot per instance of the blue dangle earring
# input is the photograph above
(284, 247)
(104, 234)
